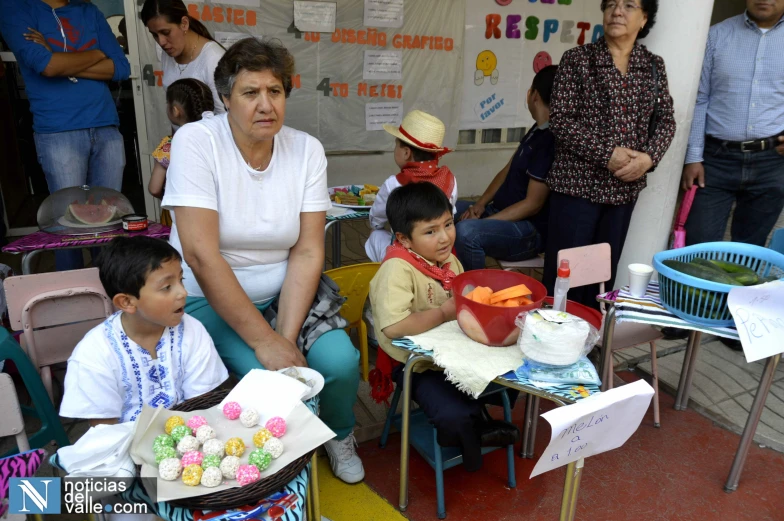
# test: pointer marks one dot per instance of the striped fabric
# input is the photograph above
(649, 310)
(567, 392)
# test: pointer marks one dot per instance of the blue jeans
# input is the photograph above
(91, 156)
(502, 240)
(754, 181)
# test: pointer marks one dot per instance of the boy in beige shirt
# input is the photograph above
(411, 294)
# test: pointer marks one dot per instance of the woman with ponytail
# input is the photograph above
(189, 50)
(187, 100)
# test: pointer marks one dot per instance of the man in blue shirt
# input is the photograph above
(735, 154)
(66, 52)
(509, 221)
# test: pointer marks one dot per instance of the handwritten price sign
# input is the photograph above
(759, 316)
(594, 425)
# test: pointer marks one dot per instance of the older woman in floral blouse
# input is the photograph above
(611, 129)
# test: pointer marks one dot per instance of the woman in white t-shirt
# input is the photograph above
(189, 50)
(249, 198)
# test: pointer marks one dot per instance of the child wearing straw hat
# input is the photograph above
(418, 147)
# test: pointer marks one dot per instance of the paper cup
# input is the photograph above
(639, 276)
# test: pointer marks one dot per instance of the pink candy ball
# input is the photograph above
(232, 410)
(247, 474)
(195, 422)
(277, 426)
(193, 457)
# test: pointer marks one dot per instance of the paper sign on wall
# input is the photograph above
(759, 316)
(316, 17)
(383, 65)
(379, 114)
(594, 425)
(383, 13)
(227, 39)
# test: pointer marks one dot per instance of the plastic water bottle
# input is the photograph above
(561, 286)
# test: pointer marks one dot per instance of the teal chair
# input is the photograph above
(424, 439)
(51, 428)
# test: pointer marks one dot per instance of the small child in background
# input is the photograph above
(418, 148)
(148, 353)
(187, 100)
(411, 294)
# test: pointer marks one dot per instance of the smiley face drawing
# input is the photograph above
(486, 63)
(542, 60)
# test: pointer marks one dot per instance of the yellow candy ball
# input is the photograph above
(235, 447)
(172, 422)
(261, 437)
(191, 476)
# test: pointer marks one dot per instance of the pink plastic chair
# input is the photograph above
(11, 413)
(54, 311)
(591, 265)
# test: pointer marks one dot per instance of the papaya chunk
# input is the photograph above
(520, 290)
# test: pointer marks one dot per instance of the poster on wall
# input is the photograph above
(348, 81)
(506, 43)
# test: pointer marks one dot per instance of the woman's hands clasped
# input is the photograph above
(629, 165)
(276, 352)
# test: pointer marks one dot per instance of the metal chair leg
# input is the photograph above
(390, 415)
(441, 506)
(510, 466)
(655, 374)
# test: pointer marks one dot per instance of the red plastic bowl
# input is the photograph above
(590, 315)
(492, 325)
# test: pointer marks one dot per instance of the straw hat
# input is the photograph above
(420, 130)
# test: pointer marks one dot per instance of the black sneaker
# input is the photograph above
(674, 333)
(498, 433)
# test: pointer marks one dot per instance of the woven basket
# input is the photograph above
(237, 496)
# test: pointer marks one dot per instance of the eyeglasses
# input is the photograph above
(626, 7)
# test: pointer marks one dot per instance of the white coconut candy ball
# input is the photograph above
(275, 447)
(212, 477)
(170, 469)
(204, 433)
(229, 466)
(249, 418)
(187, 444)
(213, 447)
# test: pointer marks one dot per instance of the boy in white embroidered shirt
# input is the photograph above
(149, 352)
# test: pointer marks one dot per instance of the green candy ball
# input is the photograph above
(164, 453)
(164, 440)
(179, 432)
(260, 458)
(210, 460)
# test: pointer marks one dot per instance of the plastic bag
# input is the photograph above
(555, 338)
(581, 372)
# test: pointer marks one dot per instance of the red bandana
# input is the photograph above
(380, 378)
(428, 171)
(444, 275)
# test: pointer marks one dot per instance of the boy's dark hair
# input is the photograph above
(125, 263)
(413, 203)
(193, 96)
(543, 83)
(417, 154)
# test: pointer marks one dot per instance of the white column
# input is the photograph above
(679, 37)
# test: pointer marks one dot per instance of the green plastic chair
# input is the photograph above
(51, 428)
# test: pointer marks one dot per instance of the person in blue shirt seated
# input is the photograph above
(509, 221)
(66, 53)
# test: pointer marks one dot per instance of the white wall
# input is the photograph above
(679, 37)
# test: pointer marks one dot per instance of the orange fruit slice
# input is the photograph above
(521, 290)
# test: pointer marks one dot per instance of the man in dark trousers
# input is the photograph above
(67, 53)
(735, 153)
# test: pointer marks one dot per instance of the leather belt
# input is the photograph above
(755, 145)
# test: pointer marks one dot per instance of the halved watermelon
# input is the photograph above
(92, 213)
